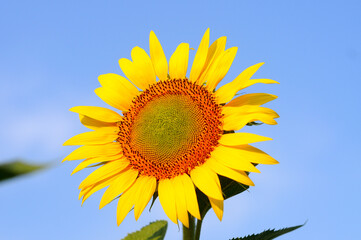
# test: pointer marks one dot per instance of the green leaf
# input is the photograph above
(17, 168)
(254, 123)
(155, 196)
(269, 234)
(230, 188)
(96, 164)
(153, 231)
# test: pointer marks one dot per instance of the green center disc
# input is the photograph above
(166, 127)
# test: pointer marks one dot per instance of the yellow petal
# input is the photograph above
(180, 200)
(237, 117)
(178, 62)
(254, 155)
(98, 113)
(251, 99)
(214, 51)
(105, 171)
(226, 93)
(217, 206)
(236, 122)
(200, 58)
(126, 202)
(233, 158)
(88, 191)
(223, 170)
(158, 57)
(114, 98)
(234, 139)
(191, 197)
(119, 84)
(207, 181)
(140, 71)
(93, 124)
(220, 68)
(120, 184)
(134, 196)
(90, 161)
(89, 151)
(166, 194)
(248, 109)
(106, 135)
(254, 81)
(147, 187)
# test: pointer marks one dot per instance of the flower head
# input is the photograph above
(175, 134)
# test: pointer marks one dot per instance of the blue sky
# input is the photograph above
(51, 54)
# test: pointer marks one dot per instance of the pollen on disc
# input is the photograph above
(171, 128)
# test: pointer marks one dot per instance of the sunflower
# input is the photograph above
(174, 134)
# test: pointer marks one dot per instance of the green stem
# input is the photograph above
(188, 233)
(198, 229)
